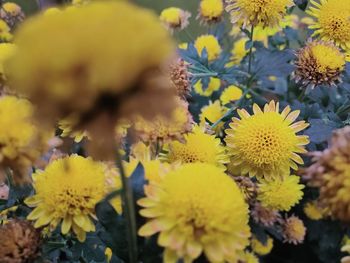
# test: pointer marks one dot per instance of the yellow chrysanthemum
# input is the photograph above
(213, 85)
(280, 194)
(212, 112)
(294, 230)
(260, 248)
(5, 34)
(266, 143)
(193, 217)
(249, 257)
(11, 8)
(163, 128)
(66, 126)
(239, 51)
(198, 147)
(313, 211)
(67, 191)
(173, 18)
(332, 21)
(231, 93)
(6, 51)
(211, 44)
(21, 142)
(57, 61)
(256, 12)
(211, 10)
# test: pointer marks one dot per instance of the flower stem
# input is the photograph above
(128, 211)
(251, 49)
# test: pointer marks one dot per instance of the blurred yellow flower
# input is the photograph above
(6, 51)
(230, 94)
(211, 10)
(211, 44)
(280, 194)
(212, 112)
(313, 210)
(213, 85)
(266, 143)
(294, 230)
(260, 248)
(239, 51)
(193, 217)
(174, 18)
(5, 34)
(67, 192)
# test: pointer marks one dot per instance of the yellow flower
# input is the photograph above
(51, 11)
(211, 10)
(319, 63)
(72, 61)
(6, 51)
(174, 18)
(280, 194)
(332, 21)
(183, 45)
(66, 126)
(249, 257)
(293, 230)
(211, 44)
(265, 144)
(198, 147)
(193, 217)
(260, 248)
(231, 93)
(256, 12)
(22, 142)
(239, 51)
(313, 211)
(108, 254)
(212, 112)
(11, 8)
(214, 85)
(164, 129)
(67, 191)
(5, 34)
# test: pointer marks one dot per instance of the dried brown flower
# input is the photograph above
(247, 186)
(265, 216)
(293, 230)
(180, 77)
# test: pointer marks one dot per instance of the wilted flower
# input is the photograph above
(230, 94)
(211, 44)
(198, 147)
(180, 77)
(22, 142)
(195, 217)
(57, 62)
(20, 242)
(247, 186)
(175, 18)
(330, 173)
(212, 113)
(213, 85)
(256, 12)
(281, 194)
(293, 230)
(332, 21)
(211, 11)
(265, 144)
(67, 192)
(264, 215)
(11, 13)
(261, 248)
(319, 63)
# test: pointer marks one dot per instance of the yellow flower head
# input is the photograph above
(6, 51)
(198, 147)
(260, 248)
(231, 93)
(57, 61)
(313, 211)
(257, 12)
(238, 50)
(22, 143)
(214, 85)
(175, 18)
(293, 230)
(319, 63)
(280, 194)
(66, 126)
(5, 34)
(193, 217)
(265, 144)
(249, 257)
(332, 21)
(211, 10)
(211, 44)
(165, 128)
(67, 191)
(212, 112)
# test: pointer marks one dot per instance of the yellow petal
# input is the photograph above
(66, 224)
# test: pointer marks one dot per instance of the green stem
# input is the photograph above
(213, 74)
(251, 49)
(128, 211)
